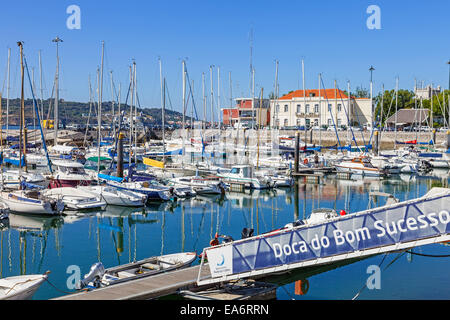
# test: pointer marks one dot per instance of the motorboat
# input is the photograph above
(21, 287)
(201, 185)
(360, 166)
(153, 193)
(99, 277)
(68, 173)
(76, 199)
(115, 196)
(244, 174)
(31, 202)
(279, 180)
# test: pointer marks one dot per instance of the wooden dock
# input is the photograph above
(146, 288)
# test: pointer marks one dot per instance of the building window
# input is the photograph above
(339, 107)
(316, 122)
(298, 121)
(285, 122)
(316, 108)
(278, 108)
(330, 123)
(286, 108)
(298, 108)
(339, 122)
(278, 123)
(329, 107)
(307, 108)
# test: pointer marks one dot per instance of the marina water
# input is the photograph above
(73, 242)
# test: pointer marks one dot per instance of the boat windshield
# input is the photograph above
(72, 170)
(235, 170)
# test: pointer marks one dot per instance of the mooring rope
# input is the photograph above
(429, 255)
(66, 292)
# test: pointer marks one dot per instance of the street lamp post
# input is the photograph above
(371, 69)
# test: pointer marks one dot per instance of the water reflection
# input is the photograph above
(119, 235)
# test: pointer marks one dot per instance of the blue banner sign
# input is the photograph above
(390, 225)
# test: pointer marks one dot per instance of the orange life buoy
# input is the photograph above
(305, 161)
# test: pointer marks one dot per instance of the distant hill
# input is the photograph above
(77, 112)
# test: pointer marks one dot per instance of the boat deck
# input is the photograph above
(146, 288)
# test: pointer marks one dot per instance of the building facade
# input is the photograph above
(427, 92)
(324, 108)
(246, 112)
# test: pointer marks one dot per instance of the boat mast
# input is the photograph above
(212, 106)
(135, 114)
(131, 114)
(415, 107)
(163, 101)
(253, 98)
(304, 99)
(100, 108)
(348, 111)
(7, 94)
(112, 103)
(396, 112)
(40, 85)
(320, 111)
(183, 136)
(204, 104)
(218, 103)
(22, 111)
(275, 113)
(57, 40)
(33, 86)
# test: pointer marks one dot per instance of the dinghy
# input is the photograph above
(99, 277)
(76, 199)
(21, 287)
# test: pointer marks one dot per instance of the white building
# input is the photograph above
(425, 93)
(331, 107)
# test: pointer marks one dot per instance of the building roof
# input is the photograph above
(325, 93)
(409, 116)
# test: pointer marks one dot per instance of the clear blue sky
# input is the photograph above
(331, 37)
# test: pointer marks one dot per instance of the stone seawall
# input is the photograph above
(326, 138)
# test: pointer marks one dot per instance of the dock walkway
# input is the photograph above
(145, 288)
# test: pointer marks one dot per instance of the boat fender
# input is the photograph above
(301, 287)
(305, 161)
(215, 241)
(343, 213)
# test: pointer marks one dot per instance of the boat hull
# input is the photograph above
(25, 292)
(17, 204)
(60, 183)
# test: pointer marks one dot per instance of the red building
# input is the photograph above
(247, 111)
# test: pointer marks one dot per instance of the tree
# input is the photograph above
(405, 101)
